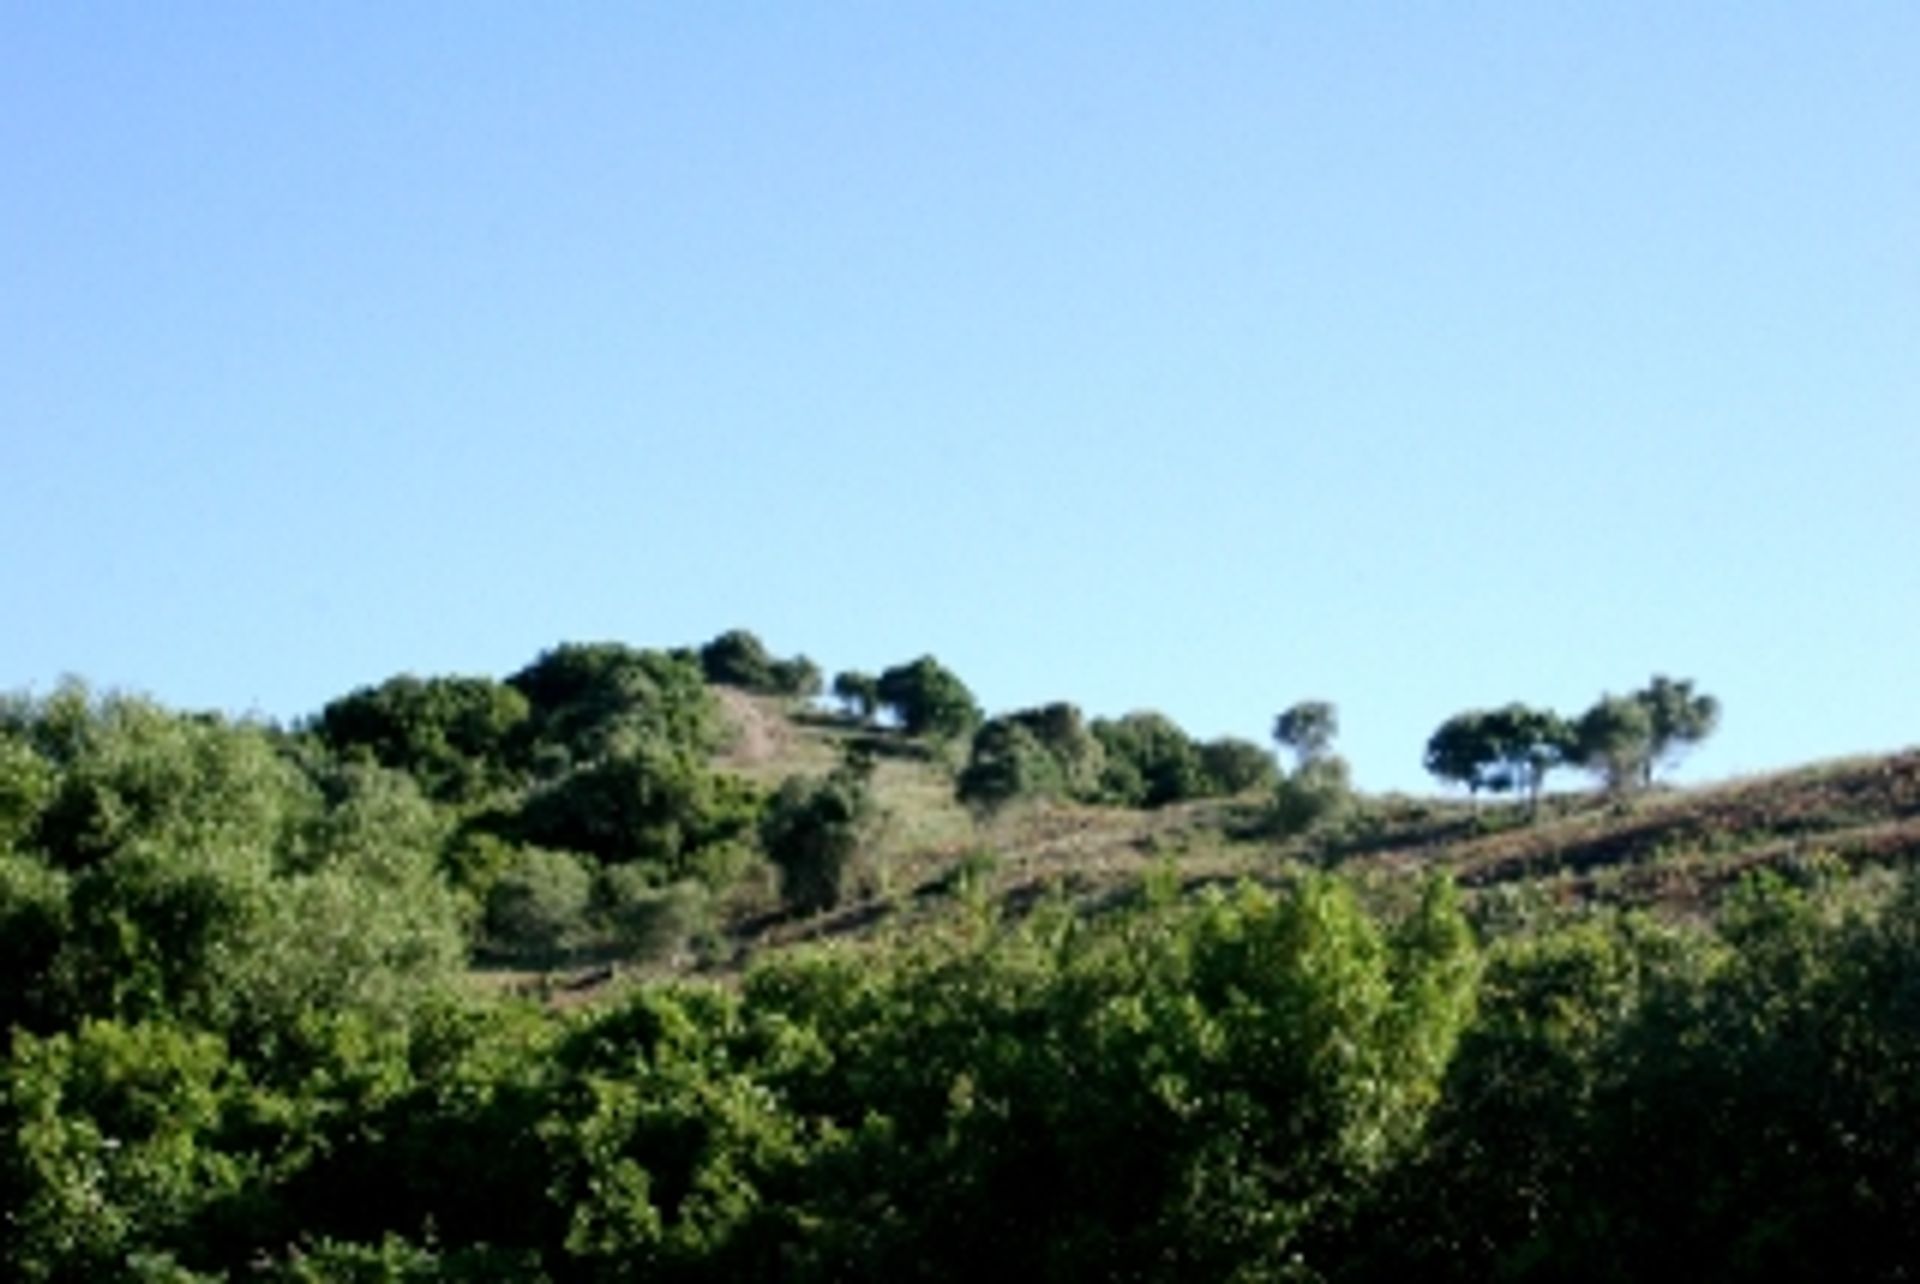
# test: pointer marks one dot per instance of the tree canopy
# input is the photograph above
(1620, 739)
(1307, 729)
(1510, 748)
(928, 699)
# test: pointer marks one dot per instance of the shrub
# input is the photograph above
(1007, 762)
(648, 921)
(1234, 766)
(812, 831)
(1149, 761)
(1313, 796)
(928, 699)
(538, 904)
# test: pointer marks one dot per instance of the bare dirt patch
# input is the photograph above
(757, 734)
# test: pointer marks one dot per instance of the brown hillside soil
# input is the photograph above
(757, 731)
(1675, 850)
(1860, 811)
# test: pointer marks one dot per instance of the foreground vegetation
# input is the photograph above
(1065, 1031)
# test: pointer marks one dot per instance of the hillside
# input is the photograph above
(614, 969)
(1676, 850)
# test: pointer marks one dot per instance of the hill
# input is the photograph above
(1670, 849)
(265, 998)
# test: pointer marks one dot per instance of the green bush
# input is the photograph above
(1235, 766)
(588, 700)
(928, 699)
(651, 804)
(33, 927)
(110, 1137)
(648, 921)
(812, 831)
(459, 738)
(537, 906)
(1148, 761)
(1008, 762)
(1315, 795)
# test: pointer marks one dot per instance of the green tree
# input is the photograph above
(648, 920)
(798, 677)
(537, 907)
(928, 699)
(1308, 730)
(27, 782)
(1234, 766)
(457, 737)
(33, 926)
(1150, 1097)
(1318, 792)
(1319, 788)
(591, 699)
(1615, 740)
(1148, 760)
(1008, 762)
(129, 771)
(858, 693)
(651, 803)
(1513, 747)
(1531, 742)
(738, 658)
(109, 1147)
(1461, 751)
(1062, 730)
(1680, 719)
(1046, 751)
(813, 830)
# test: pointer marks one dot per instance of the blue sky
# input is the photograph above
(1194, 357)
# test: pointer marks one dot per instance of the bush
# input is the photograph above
(812, 831)
(110, 1141)
(1234, 766)
(648, 921)
(653, 804)
(589, 700)
(1008, 762)
(1149, 761)
(928, 699)
(1316, 795)
(457, 737)
(538, 905)
(33, 923)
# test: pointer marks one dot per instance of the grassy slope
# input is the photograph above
(1675, 849)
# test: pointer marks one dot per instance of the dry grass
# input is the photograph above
(1670, 848)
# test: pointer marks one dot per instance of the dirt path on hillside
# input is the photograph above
(757, 736)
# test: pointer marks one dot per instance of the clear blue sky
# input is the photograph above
(1195, 357)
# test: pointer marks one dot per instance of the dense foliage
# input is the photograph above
(243, 1043)
(738, 658)
(1141, 760)
(813, 830)
(928, 699)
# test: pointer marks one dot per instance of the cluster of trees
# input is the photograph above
(1319, 787)
(1621, 739)
(1052, 751)
(1139, 760)
(572, 806)
(153, 862)
(1254, 1085)
(240, 1043)
(578, 794)
(738, 658)
(922, 697)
